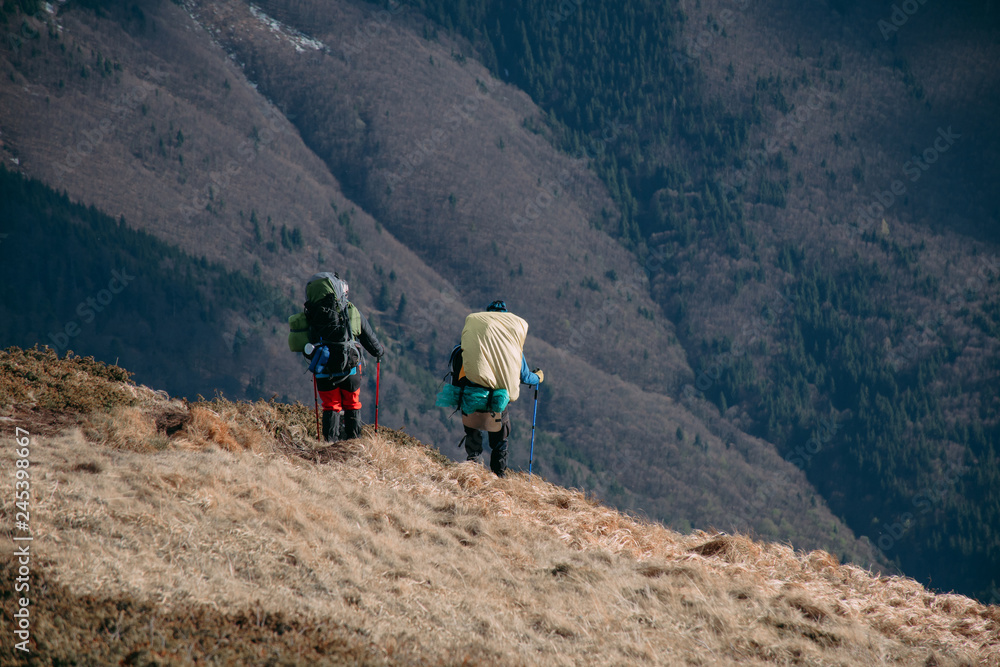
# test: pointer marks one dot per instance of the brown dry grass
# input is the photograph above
(441, 563)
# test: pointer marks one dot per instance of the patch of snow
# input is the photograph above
(299, 40)
(16, 161)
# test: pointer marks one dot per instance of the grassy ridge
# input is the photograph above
(222, 535)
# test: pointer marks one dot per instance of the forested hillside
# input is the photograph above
(118, 293)
(692, 203)
(615, 92)
(246, 160)
(913, 462)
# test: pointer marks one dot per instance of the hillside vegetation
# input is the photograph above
(746, 151)
(712, 169)
(668, 192)
(753, 136)
(198, 158)
(217, 532)
(92, 265)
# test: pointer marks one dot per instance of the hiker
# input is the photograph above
(493, 343)
(335, 327)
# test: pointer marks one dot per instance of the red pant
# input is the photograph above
(340, 399)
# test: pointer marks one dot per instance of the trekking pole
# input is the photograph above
(316, 401)
(378, 370)
(531, 454)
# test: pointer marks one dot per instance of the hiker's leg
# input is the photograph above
(350, 392)
(473, 444)
(498, 446)
(329, 394)
(331, 425)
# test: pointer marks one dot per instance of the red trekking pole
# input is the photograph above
(378, 369)
(319, 437)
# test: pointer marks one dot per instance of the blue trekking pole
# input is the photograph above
(531, 455)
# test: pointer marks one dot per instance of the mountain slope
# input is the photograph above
(230, 539)
(117, 293)
(885, 255)
(414, 134)
(197, 156)
(831, 236)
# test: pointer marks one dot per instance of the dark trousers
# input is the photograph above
(498, 444)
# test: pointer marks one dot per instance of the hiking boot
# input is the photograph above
(331, 425)
(352, 424)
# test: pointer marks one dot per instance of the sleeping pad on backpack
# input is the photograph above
(473, 399)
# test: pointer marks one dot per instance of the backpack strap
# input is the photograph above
(348, 332)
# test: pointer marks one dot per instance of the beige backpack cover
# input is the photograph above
(492, 345)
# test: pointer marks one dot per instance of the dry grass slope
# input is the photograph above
(218, 533)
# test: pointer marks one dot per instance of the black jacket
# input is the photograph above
(367, 336)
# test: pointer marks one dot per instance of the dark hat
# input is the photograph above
(497, 306)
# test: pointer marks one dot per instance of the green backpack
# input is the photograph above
(329, 321)
(319, 286)
(298, 332)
